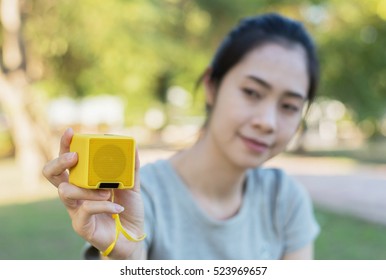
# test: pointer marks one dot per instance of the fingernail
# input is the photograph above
(68, 130)
(69, 156)
(118, 208)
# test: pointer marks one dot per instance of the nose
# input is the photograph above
(265, 118)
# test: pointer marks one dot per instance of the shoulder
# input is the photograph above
(152, 173)
(158, 179)
(276, 181)
(280, 191)
(289, 206)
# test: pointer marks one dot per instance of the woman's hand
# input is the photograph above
(91, 210)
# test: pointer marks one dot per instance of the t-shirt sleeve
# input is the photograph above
(300, 225)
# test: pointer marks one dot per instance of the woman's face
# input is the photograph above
(258, 106)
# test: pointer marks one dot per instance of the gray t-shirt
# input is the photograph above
(276, 217)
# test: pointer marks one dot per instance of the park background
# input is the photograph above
(130, 67)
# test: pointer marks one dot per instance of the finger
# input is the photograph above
(72, 195)
(83, 222)
(56, 170)
(137, 181)
(65, 141)
(88, 209)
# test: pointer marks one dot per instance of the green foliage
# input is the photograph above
(353, 58)
(117, 47)
(373, 152)
(138, 49)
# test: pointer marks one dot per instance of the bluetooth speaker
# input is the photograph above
(104, 161)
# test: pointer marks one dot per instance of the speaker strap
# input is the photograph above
(119, 229)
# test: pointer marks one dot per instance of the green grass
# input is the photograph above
(37, 231)
(348, 238)
(43, 231)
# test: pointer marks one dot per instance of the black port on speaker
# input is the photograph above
(108, 185)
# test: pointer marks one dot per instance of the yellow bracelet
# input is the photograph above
(119, 229)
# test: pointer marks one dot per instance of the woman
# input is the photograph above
(214, 200)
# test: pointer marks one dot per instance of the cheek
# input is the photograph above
(225, 123)
(232, 119)
(228, 109)
(288, 129)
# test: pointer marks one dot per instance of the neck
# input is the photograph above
(215, 183)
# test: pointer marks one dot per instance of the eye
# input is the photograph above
(290, 108)
(251, 93)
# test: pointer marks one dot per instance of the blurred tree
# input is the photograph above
(137, 49)
(130, 48)
(28, 129)
(353, 43)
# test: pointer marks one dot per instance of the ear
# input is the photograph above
(209, 87)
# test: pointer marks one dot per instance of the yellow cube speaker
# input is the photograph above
(104, 161)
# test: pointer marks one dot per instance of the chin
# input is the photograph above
(250, 162)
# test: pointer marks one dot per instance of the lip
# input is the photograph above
(255, 145)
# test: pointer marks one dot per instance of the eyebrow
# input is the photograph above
(269, 86)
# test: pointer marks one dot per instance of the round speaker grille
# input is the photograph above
(109, 162)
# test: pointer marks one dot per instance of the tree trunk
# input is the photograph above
(30, 134)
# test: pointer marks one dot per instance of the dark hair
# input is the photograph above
(252, 32)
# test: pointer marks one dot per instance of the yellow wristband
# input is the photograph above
(119, 229)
